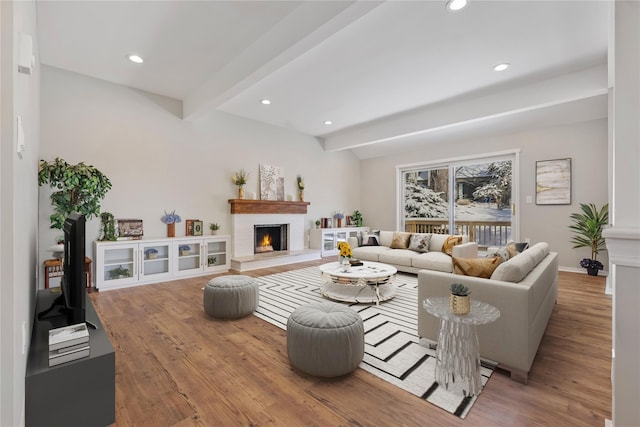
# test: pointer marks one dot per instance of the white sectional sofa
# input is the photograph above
(524, 288)
(412, 261)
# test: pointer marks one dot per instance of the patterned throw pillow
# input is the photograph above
(476, 267)
(448, 245)
(400, 240)
(516, 248)
(503, 252)
(420, 242)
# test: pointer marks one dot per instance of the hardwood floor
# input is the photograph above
(175, 366)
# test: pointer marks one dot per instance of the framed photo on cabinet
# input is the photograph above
(553, 182)
(197, 228)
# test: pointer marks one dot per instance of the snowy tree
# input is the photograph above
(422, 202)
(499, 186)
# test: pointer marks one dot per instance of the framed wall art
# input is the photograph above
(271, 183)
(553, 182)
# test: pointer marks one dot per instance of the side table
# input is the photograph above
(458, 353)
(53, 268)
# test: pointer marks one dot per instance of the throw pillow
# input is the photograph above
(448, 245)
(369, 240)
(476, 267)
(503, 252)
(420, 242)
(400, 240)
(516, 248)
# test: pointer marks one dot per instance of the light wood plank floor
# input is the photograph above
(175, 366)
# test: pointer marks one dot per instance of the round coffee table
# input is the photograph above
(370, 282)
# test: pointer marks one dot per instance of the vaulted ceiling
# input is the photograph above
(389, 75)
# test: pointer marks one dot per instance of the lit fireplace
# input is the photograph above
(270, 238)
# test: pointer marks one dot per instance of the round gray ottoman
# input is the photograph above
(325, 339)
(231, 297)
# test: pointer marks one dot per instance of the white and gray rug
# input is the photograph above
(393, 351)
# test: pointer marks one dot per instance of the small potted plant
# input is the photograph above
(357, 218)
(459, 300)
(184, 250)
(239, 178)
(119, 273)
(212, 260)
(300, 182)
(214, 227)
(151, 253)
(318, 222)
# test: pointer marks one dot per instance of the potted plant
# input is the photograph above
(184, 250)
(119, 273)
(300, 182)
(107, 227)
(78, 188)
(318, 222)
(588, 226)
(239, 178)
(357, 218)
(459, 300)
(170, 219)
(214, 227)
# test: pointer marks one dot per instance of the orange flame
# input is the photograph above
(266, 241)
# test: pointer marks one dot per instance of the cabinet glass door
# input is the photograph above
(328, 241)
(155, 259)
(188, 256)
(216, 254)
(119, 264)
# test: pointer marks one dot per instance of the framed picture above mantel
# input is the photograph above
(244, 206)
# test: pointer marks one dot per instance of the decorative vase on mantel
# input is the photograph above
(171, 230)
(240, 192)
(301, 195)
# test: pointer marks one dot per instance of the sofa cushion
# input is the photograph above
(400, 240)
(419, 242)
(436, 242)
(519, 266)
(369, 253)
(436, 261)
(449, 243)
(386, 237)
(397, 257)
(476, 267)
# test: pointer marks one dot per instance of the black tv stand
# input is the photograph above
(78, 393)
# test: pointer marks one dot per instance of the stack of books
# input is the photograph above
(68, 343)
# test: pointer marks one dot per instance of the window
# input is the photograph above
(473, 196)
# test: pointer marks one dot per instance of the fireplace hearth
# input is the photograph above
(270, 238)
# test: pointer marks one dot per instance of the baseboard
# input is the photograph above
(603, 273)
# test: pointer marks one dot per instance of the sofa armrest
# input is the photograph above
(466, 250)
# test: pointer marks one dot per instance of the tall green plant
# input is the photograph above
(80, 188)
(588, 227)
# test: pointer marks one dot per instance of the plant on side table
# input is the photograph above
(357, 218)
(459, 300)
(588, 227)
(214, 227)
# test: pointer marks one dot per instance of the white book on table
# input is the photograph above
(68, 336)
(68, 356)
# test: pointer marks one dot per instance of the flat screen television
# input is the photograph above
(74, 280)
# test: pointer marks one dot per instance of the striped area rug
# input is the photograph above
(393, 351)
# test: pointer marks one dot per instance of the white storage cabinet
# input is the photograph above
(327, 239)
(127, 263)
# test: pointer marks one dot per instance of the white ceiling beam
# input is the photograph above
(310, 24)
(555, 91)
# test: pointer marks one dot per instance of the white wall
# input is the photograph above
(585, 143)
(157, 162)
(18, 208)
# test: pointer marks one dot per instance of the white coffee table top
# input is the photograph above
(369, 271)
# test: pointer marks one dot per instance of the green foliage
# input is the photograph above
(357, 218)
(459, 289)
(214, 226)
(107, 227)
(79, 188)
(119, 272)
(588, 228)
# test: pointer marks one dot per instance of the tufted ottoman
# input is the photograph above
(230, 297)
(325, 339)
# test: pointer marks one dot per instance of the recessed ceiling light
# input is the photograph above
(501, 67)
(328, 122)
(454, 5)
(265, 102)
(135, 58)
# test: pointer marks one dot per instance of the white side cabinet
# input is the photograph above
(327, 239)
(137, 262)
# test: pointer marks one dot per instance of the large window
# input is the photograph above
(476, 197)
